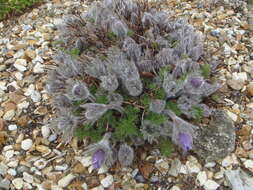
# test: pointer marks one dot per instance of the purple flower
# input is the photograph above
(98, 158)
(185, 141)
(196, 82)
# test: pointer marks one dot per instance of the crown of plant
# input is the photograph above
(128, 74)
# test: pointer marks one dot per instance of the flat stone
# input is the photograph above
(107, 181)
(162, 165)
(3, 85)
(9, 115)
(219, 175)
(45, 131)
(232, 115)
(2, 68)
(174, 187)
(217, 140)
(13, 163)
(202, 178)
(19, 76)
(40, 164)
(20, 65)
(239, 180)
(18, 183)
(175, 167)
(36, 97)
(240, 76)
(227, 161)
(210, 164)
(43, 149)
(9, 154)
(3, 169)
(30, 53)
(193, 167)
(236, 84)
(26, 144)
(250, 89)
(248, 164)
(211, 185)
(61, 167)
(27, 177)
(12, 127)
(12, 172)
(65, 181)
(5, 184)
(86, 161)
(38, 68)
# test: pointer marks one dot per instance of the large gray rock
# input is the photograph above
(239, 180)
(217, 140)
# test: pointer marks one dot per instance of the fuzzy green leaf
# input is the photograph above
(155, 118)
(173, 107)
(102, 99)
(127, 125)
(166, 147)
(89, 131)
(197, 113)
(205, 70)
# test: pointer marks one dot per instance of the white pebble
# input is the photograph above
(12, 172)
(40, 164)
(85, 186)
(18, 183)
(107, 181)
(27, 177)
(211, 185)
(18, 75)
(202, 178)
(193, 167)
(12, 127)
(38, 68)
(248, 164)
(35, 96)
(65, 181)
(45, 131)
(174, 187)
(61, 167)
(210, 165)
(219, 175)
(13, 164)
(86, 161)
(233, 116)
(20, 65)
(52, 137)
(26, 144)
(23, 105)
(56, 187)
(9, 154)
(227, 161)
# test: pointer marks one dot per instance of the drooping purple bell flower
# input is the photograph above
(98, 158)
(185, 140)
(196, 82)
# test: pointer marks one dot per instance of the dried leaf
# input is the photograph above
(146, 168)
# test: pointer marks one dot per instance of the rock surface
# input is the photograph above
(218, 139)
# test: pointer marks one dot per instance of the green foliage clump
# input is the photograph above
(173, 107)
(166, 147)
(156, 118)
(16, 6)
(206, 70)
(87, 130)
(197, 113)
(127, 126)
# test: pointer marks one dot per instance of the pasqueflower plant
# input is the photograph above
(128, 75)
